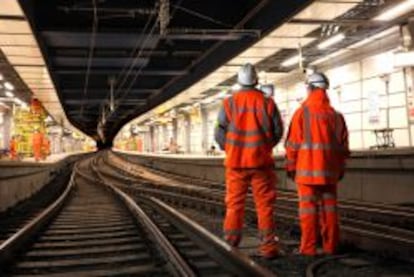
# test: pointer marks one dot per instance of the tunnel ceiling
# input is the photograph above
(148, 50)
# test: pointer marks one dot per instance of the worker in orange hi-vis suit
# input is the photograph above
(13, 148)
(138, 140)
(37, 143)
(316, 150)
(45, 147)
(249, 126)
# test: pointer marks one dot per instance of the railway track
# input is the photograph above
(392, 215)
(94, 229)
(384, 228)
(14, 219)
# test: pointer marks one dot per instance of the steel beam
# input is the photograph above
(79, 91)
(117, 71)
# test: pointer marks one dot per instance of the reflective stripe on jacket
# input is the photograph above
(248, 127)
(317, 141)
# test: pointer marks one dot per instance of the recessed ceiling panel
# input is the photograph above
(10, 7)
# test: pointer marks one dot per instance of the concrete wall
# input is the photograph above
(371, 94)
(20, 180)
(371, 176)
(365, 87)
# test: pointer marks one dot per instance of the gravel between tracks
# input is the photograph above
(356, 263)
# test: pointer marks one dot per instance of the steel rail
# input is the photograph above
(10, 247)
(312, 268)
(367, 234)
(228, 256)
(345, 206)
(177, 264)
(370, 227)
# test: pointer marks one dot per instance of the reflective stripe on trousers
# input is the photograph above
(263, 182)
(314, 173)
(317, 204)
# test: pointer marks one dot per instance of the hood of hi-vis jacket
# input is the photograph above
(317, 141)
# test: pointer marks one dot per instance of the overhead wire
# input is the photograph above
(91, 52)
(130, 67)
(202, 16)
(142, 65)
(138, 54)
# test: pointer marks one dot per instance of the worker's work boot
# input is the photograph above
(269, 249)
(233, 240)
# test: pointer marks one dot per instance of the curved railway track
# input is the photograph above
(94, 229)
(392, 215)
(384, 228)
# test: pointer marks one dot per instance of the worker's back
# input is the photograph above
(250, 134)
(322, 143)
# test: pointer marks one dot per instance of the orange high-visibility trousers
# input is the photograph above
(263, 182)
(37, 151)
(318, 214)
(37, 142)
(13, 149)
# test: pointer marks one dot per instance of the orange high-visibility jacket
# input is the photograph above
(248, 127)
(317, 142)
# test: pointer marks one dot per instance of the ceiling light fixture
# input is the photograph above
(9, 94)
(291, 61)
(19, 102)
(396, 11)
(331, 41)
(387, 32)
(8, 86)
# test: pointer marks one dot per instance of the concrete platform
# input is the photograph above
(54, 158)
(19, 180)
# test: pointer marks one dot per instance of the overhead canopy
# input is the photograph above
(314, 35)
(148, 51)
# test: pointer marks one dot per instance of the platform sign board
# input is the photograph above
(373, 107)
(409, 76)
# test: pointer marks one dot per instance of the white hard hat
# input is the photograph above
(247, 75)
(317, 80)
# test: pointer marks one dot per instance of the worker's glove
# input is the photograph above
(291, 175)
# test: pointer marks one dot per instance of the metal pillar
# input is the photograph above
(204, 128)
(188, 133)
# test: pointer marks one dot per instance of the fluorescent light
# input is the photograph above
(9, 93)
(331, 41)
(404, 59)
(20, 102)
(291, 61)
(330, 56)
(396, 11)
(378, 36)
(8, 86)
